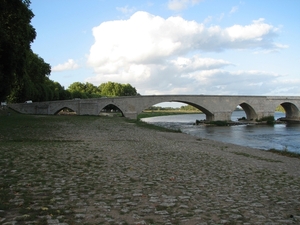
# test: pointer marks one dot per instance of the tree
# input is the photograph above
(109, 89)
(33, 84)
(112, 89)
(128, 90)
(188, 108)
(16, 35)
(76, 86)
(92, 91)
(84, 90)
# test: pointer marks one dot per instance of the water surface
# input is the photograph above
(279, 136)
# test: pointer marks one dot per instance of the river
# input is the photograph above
(279, 136)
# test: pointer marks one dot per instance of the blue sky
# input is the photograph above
(232, 47)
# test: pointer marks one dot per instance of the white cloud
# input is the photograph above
(177, 5)
(256, 32)
(218, 81)
(194, 63)
(145, 38)
(69, 65)
(158, 55)
(268, 51)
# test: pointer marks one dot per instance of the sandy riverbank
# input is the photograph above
(109, 171)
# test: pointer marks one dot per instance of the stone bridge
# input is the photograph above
(215, 107)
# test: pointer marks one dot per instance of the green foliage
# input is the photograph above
(81, 90)
(159, 108)
(109, 89)
(16, 35)
(182, 108)
(280, 109)
(112, 89)
(269, 119)
(189, 108)
(34, 83)
(146, 113)
(23, 74)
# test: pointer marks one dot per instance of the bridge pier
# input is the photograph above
(261, 115)
(131, 115)
(221, 116)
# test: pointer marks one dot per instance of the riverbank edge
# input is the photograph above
(138, 122)
(283, 152)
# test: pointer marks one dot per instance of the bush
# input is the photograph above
(269, 119)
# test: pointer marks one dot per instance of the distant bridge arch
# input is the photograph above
(291, 110)
(216, 107)
(111, 108)
(208, 114)
(62, 109)
(249, 111)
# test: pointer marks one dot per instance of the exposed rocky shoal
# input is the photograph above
(110, 171)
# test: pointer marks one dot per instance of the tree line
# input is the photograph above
(183, 108)
(25, 75)
(109, 89)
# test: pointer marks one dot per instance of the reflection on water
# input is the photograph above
(279, 136)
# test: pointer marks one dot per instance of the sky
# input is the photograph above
(197, 47)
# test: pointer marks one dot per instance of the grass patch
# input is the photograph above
(32, 152)
(21, 127)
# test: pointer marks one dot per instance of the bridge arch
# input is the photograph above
(68, 109)
(249, 111)
(291, 110)
(111, 108)
(209, 115)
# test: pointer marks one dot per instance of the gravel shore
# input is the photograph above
(110, 171)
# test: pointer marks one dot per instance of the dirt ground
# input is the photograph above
(95, 170)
